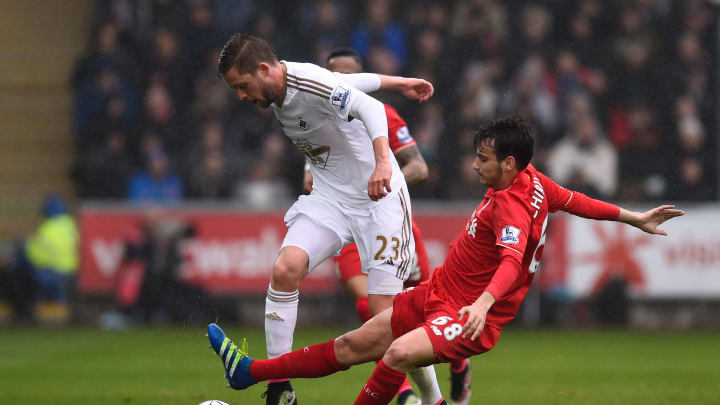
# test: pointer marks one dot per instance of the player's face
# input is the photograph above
(254, 88)
(487, 165)
(344, 64)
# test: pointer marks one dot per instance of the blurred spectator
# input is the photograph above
(210, 100)
(532, 85)
(623, 65)
(104, 171)
(262, 189)
(92, 99)
(166, 65)
(200, 36)
(106, 51)
(379, 39)
(480, 28)
(690, 179)
(233, 15)
(642, 154)
(208, 168)
(162, 295)
(115, 118)
(53, 251)
(212, 179)
(478, 94)
(161, 118)
(326, 28)
(157, 183)
(468, 186)
(535, 25)
(585, 161)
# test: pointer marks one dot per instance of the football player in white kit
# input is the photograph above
(359, 193)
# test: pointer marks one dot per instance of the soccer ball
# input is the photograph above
(213, 402)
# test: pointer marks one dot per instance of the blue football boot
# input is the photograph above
(235, 359)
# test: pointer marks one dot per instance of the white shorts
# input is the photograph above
(383, 234)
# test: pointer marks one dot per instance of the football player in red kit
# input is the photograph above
(463, 308)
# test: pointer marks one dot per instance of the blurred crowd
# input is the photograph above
(622, 92)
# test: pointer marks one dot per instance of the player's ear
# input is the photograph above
(509, 163)
(263, 69)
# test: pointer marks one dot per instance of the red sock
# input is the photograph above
(381, 387)
(404, 386)
(457, 366)
(363, 309)
(311, 361)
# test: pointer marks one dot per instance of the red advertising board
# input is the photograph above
(231, 252)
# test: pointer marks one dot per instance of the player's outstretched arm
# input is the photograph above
(650, 220)
(415, 89)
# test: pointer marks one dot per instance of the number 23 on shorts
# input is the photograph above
(395, 245)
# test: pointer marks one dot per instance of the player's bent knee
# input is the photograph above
(396, 356)
(348, 351)
(355, 347)
(286, 273)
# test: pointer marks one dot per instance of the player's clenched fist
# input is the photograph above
(380, 181)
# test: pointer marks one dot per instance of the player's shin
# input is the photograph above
(280, 318)
(381, 387)
(312, 361)
(427, 384)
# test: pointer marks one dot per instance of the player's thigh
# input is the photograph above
(350, 272)
(368, 342)
(411, 349)
(357, 286)
(382, 287)
(444, 331)
(384, 238)
(318, 242)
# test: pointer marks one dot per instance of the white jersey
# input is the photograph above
(316, 116)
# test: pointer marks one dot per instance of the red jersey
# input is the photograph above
(398, 135)
(508, 222)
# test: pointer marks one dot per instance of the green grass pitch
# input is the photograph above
(174, 366)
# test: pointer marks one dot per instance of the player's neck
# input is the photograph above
(505, 180)
(283, 92)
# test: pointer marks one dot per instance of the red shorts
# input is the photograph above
(420, 307)
(349, 262)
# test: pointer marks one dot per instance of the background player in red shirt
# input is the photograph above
(415, 170)
(462, 309)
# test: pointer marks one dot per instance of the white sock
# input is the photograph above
(424, 378)
(280, 318)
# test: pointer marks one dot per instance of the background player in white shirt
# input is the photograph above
(359, 192)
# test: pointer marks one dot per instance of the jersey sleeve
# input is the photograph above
(512, 221)
(398, 134)
(558, 197)
(367, 82)
(507, 272)
(341, 99)
(576, 203)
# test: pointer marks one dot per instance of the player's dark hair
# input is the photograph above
(244, 52)
(344, 51)
(510, 136)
